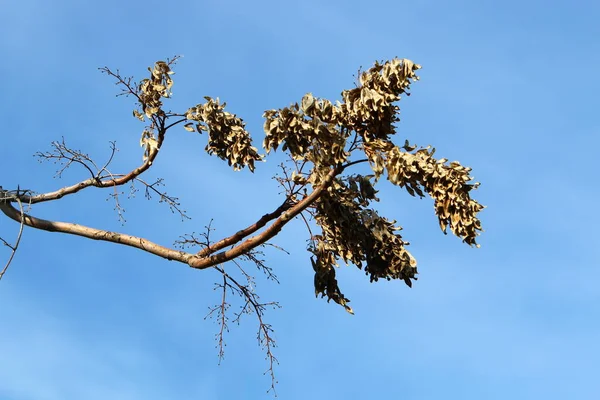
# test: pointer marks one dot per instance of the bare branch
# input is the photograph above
(171, 201)
(253, 305)
(118, 208)
(95, 180)
(220, 312)
(17, 241)
(256, 256)
(95, 234)
(312, 236)
(176, 122)
(190, 239)
(65, 157)
(113, 150)
(130, 86)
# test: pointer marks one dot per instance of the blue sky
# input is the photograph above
(508, 88)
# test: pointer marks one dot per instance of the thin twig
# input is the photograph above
(252, 304)
(16, 245)
(171, 201)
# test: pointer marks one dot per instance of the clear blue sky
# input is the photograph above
(509, 88)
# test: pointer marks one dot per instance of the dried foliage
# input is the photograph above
(228, 138)
(323, 141)
(447, 184)
(355, 233)
(326, 135)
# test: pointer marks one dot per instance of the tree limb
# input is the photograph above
(95, 234)
(95, 181)
(202, 263)
(196, 261)
(239, 235)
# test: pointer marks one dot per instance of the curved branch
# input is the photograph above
(228, 241)
(175, 123)
(239, 235)
(113, 149)
(95, 181)
(252, 304)
(286, 213)
(95, 234)
(16, 245)
(228, 255)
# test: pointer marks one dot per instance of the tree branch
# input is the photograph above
(285, 213)
(95, 234)
(17, 241)
(96, 181)
(202, 263)
(239, 235)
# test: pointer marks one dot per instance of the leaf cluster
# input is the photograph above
(447, 184)
(308, 131)
(152, 90)
(328, 135)
(357, 234)
(228, 137)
